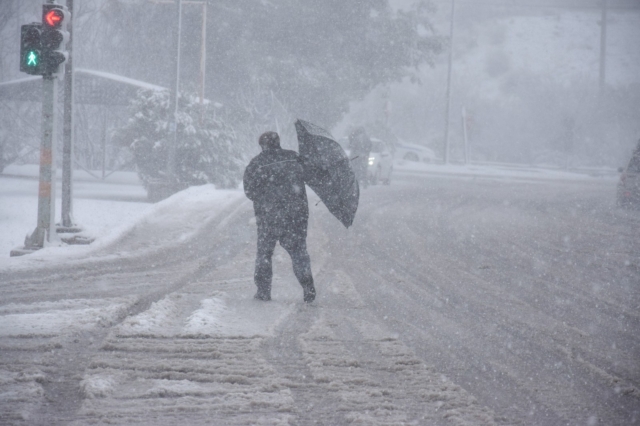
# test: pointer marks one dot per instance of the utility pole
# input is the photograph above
(203, 55)
(446, 121)
(603, 46)
(45, 228)
(466, 135)
(67, 132)
(170, 184)
(203, 41)
(173, 103)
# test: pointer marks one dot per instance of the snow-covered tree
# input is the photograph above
(206, 150)
(314, 56)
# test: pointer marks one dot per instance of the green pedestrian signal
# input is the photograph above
(31, 49)
(32, 59)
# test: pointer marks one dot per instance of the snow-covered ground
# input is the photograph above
(451, 301)
(175, 335)
(102, 207)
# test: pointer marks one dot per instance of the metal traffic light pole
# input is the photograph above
(445, 155)
(45, 229)
(47, 188)
(52, 38)
(67, 133)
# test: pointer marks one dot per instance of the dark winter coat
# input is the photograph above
(274, 180)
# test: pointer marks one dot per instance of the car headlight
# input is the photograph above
(372, 160)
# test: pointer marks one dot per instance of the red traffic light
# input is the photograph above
(53, 18)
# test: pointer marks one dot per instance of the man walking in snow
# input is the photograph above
(274, 180)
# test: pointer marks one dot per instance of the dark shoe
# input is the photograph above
(263, 295)
(309, 293)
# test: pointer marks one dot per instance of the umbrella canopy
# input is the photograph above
(328, 171)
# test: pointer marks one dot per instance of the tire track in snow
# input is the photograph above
(312, 404)
(58, 361)
(193, 355)
(461, 319)
(343, 374)
(379, 379)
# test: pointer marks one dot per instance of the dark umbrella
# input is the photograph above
(328, 171)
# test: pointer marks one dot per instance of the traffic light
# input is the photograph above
(31, 49)
(53, 38)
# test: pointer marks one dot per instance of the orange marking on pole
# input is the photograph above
(44, 189)
(45, 156)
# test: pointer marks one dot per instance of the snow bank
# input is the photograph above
(501, 171)
(118, 227)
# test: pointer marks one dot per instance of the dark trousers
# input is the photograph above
(293, 238)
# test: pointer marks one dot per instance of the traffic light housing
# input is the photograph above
(31, 49)
(53, 38)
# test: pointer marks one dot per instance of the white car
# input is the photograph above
(380, 163)
(413, 152)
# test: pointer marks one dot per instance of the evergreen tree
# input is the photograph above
(206, 150)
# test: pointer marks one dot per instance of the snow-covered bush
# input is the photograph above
(206, 149)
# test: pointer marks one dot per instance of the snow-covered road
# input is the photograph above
(448, 302)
